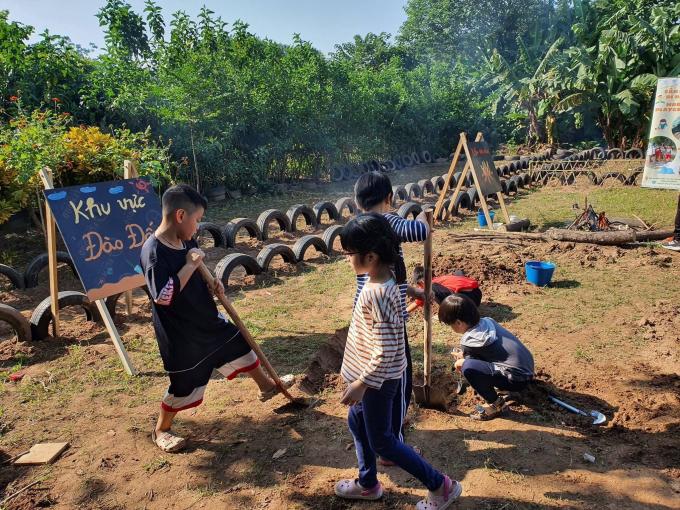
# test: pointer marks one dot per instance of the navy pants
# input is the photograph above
(370, 422)
(399, 412)
(484, 378)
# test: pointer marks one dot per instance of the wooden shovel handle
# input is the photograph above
(427, 304)
(208, 277)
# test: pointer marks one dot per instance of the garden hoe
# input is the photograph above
(208, 277)
(425, 395)
(598, 417)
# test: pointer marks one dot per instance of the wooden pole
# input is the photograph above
(501, 200)
(427, 306)
(51, 227)
(208, 277)
(466, 169)
(447, 181)
(129, 172)
(115, 337)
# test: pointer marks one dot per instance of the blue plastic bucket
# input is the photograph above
(539, 273)
(482, 219)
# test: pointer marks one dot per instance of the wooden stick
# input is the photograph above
(129, 172)
(208, 277)
(427, 306)
(51, 227)
(447, 181)
(115, 336)
(11, 496)
(466, 170)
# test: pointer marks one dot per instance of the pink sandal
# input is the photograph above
(452, 491)
(351, 489)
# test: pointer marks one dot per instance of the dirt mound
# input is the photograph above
(496, 267)
(325, 366)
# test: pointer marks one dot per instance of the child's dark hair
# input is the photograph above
(182, 196)
(370, 232)
(458, 307)
(371, 189)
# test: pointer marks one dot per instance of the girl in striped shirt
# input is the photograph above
(374, 367)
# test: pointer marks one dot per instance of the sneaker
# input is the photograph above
(673, 244)
(287, 381)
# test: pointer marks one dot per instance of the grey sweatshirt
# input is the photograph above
(489, 341)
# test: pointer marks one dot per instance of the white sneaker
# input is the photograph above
(287, 381)
(673, 244)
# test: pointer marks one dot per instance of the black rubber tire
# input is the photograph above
(407, 160)
(437, 183)
(266, 217)
(14, 276)
(519, 180)
(225, 266)
(634, 154)
(355, 171)
(399, 193)
(443, 213)
(474, 196)
(111, 303)
(455, 178)
(329, 235)
(413, 190)
(270, 251)
(462, 201)
(614, 154)
(301, 210)
(527, 179)
(346, 172)
(374, 165)
(426, 187)
(390, 166)
(408, 209)
(232, 228)
(328, 207)
(42, 315)
(504, 187)
(42, 261)
(416, 158)
(614, 175)
(18, 322)
(632, 180)
(214, 230)
(305, 242)
(345, 203)
(397, 161)
(426, 157)
(512, 187)
(336, 173)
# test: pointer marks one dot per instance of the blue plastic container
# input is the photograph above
(482, 219)
(539, 273)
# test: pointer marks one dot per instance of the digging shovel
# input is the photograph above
(598, 417)
(425, 395)
(208, 277)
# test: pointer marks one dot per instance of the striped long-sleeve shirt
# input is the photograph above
(375, 342)
(408, 231)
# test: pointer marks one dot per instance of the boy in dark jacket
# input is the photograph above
(492, 358)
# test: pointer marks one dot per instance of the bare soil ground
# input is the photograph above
(605, 336)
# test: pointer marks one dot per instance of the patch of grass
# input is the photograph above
(157, 464)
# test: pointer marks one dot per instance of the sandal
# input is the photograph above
(490, 411)
(351, 489)
(452, 491)
(388, 463)
(287, 381)
(168, 442)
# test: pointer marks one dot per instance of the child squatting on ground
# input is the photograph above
(193, 337)
(374, 367)
(491, 358)
(373, 193)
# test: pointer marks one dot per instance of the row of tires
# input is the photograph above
(38, 326)
(352, 171)
(225, 236)
(28, 278)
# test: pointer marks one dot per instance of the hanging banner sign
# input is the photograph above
(104, 226)
(662, 161)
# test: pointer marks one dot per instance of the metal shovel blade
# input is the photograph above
(598, 417)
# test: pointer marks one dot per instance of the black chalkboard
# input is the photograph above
(485, 170)
(104, 226)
